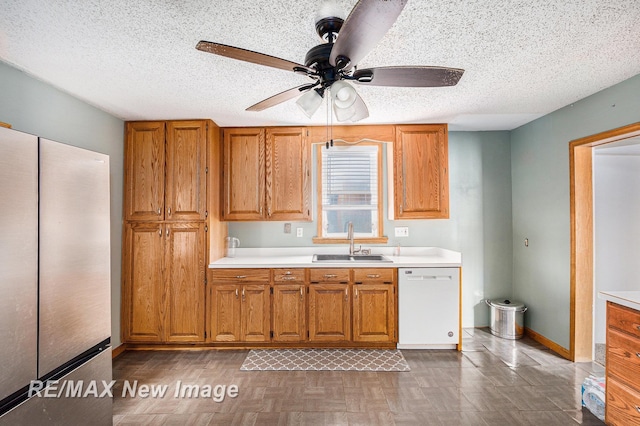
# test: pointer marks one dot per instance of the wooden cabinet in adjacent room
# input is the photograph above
(622, 405)
(267, 174)
(239, 310)
(374, 302)
(164, 282)
(421, 179)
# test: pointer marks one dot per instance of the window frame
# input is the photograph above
(381, 238)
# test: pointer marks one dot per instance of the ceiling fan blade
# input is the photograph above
(251, 56)
(365, 26)
(281, 97)
(419, 76)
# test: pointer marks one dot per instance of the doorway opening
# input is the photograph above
(582, 250)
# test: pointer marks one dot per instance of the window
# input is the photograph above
(350, 191)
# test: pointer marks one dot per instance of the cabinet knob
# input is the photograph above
(236, 293)
(301, 293)
(637, 408)
(373, 275)
(159, 212)
(346, 294)
(330, 276)
(356, 293)
(289, 278)
(240, 277)
(169, 211)
(638, 354)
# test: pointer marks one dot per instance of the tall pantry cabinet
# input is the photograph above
(166, 224)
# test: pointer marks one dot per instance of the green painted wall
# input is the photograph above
(540, 188)
(32, 106)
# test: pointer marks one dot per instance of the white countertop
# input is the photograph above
(630, 299)
(300, 257)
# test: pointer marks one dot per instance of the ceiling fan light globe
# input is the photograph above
(309, 102)
(344, 95)
(344, 114)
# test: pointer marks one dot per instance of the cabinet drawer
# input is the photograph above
(623, 356)
(380, 275)
(288, 276)
(623, 319)
(335, 275)
(622, 405)
(226, 276)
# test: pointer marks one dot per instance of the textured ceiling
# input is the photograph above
(137, 59)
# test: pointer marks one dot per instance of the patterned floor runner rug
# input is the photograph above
(325, 359)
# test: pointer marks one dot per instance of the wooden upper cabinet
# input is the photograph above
(144, 170)
(288, 174)
(244, 169)
(421, 180)
(165, 170)
(186, 178)
(267, 174)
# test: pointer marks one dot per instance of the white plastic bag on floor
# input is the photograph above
(593, 395)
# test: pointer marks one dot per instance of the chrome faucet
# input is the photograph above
(352, 249)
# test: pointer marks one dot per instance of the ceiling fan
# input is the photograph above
(333, 64)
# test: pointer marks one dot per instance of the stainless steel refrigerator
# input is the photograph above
(55, 298)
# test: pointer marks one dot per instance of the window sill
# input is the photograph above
(371, 240)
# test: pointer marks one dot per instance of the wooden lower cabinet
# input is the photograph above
(329, 313)
(164, 282)
(240, 313)
(289, 313)
(299, 307)
(374, 313)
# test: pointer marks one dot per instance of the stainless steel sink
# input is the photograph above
(370, 258)
(338, 258)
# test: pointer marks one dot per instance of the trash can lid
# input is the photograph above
(506, 304)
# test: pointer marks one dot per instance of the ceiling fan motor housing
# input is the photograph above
(328, 28)
(318, 58)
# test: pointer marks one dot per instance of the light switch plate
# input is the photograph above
(287, 228)
(299, 232)
(402, 231)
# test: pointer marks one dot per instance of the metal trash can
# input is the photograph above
(507, 318)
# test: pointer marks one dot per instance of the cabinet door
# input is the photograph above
(144, 170)
(143, 298)
(256, 317)
(289, 313)
(288, 174)
(373, 313)
(421, 180)
(186, 180)
(329, 313)
(244, 171)
(184, 276)
(225, 312)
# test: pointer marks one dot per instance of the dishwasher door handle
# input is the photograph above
(429, 278)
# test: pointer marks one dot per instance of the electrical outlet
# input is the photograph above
(402, 231)
(287, 228)
(299, 232)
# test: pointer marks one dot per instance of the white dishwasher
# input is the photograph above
(429, 308)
